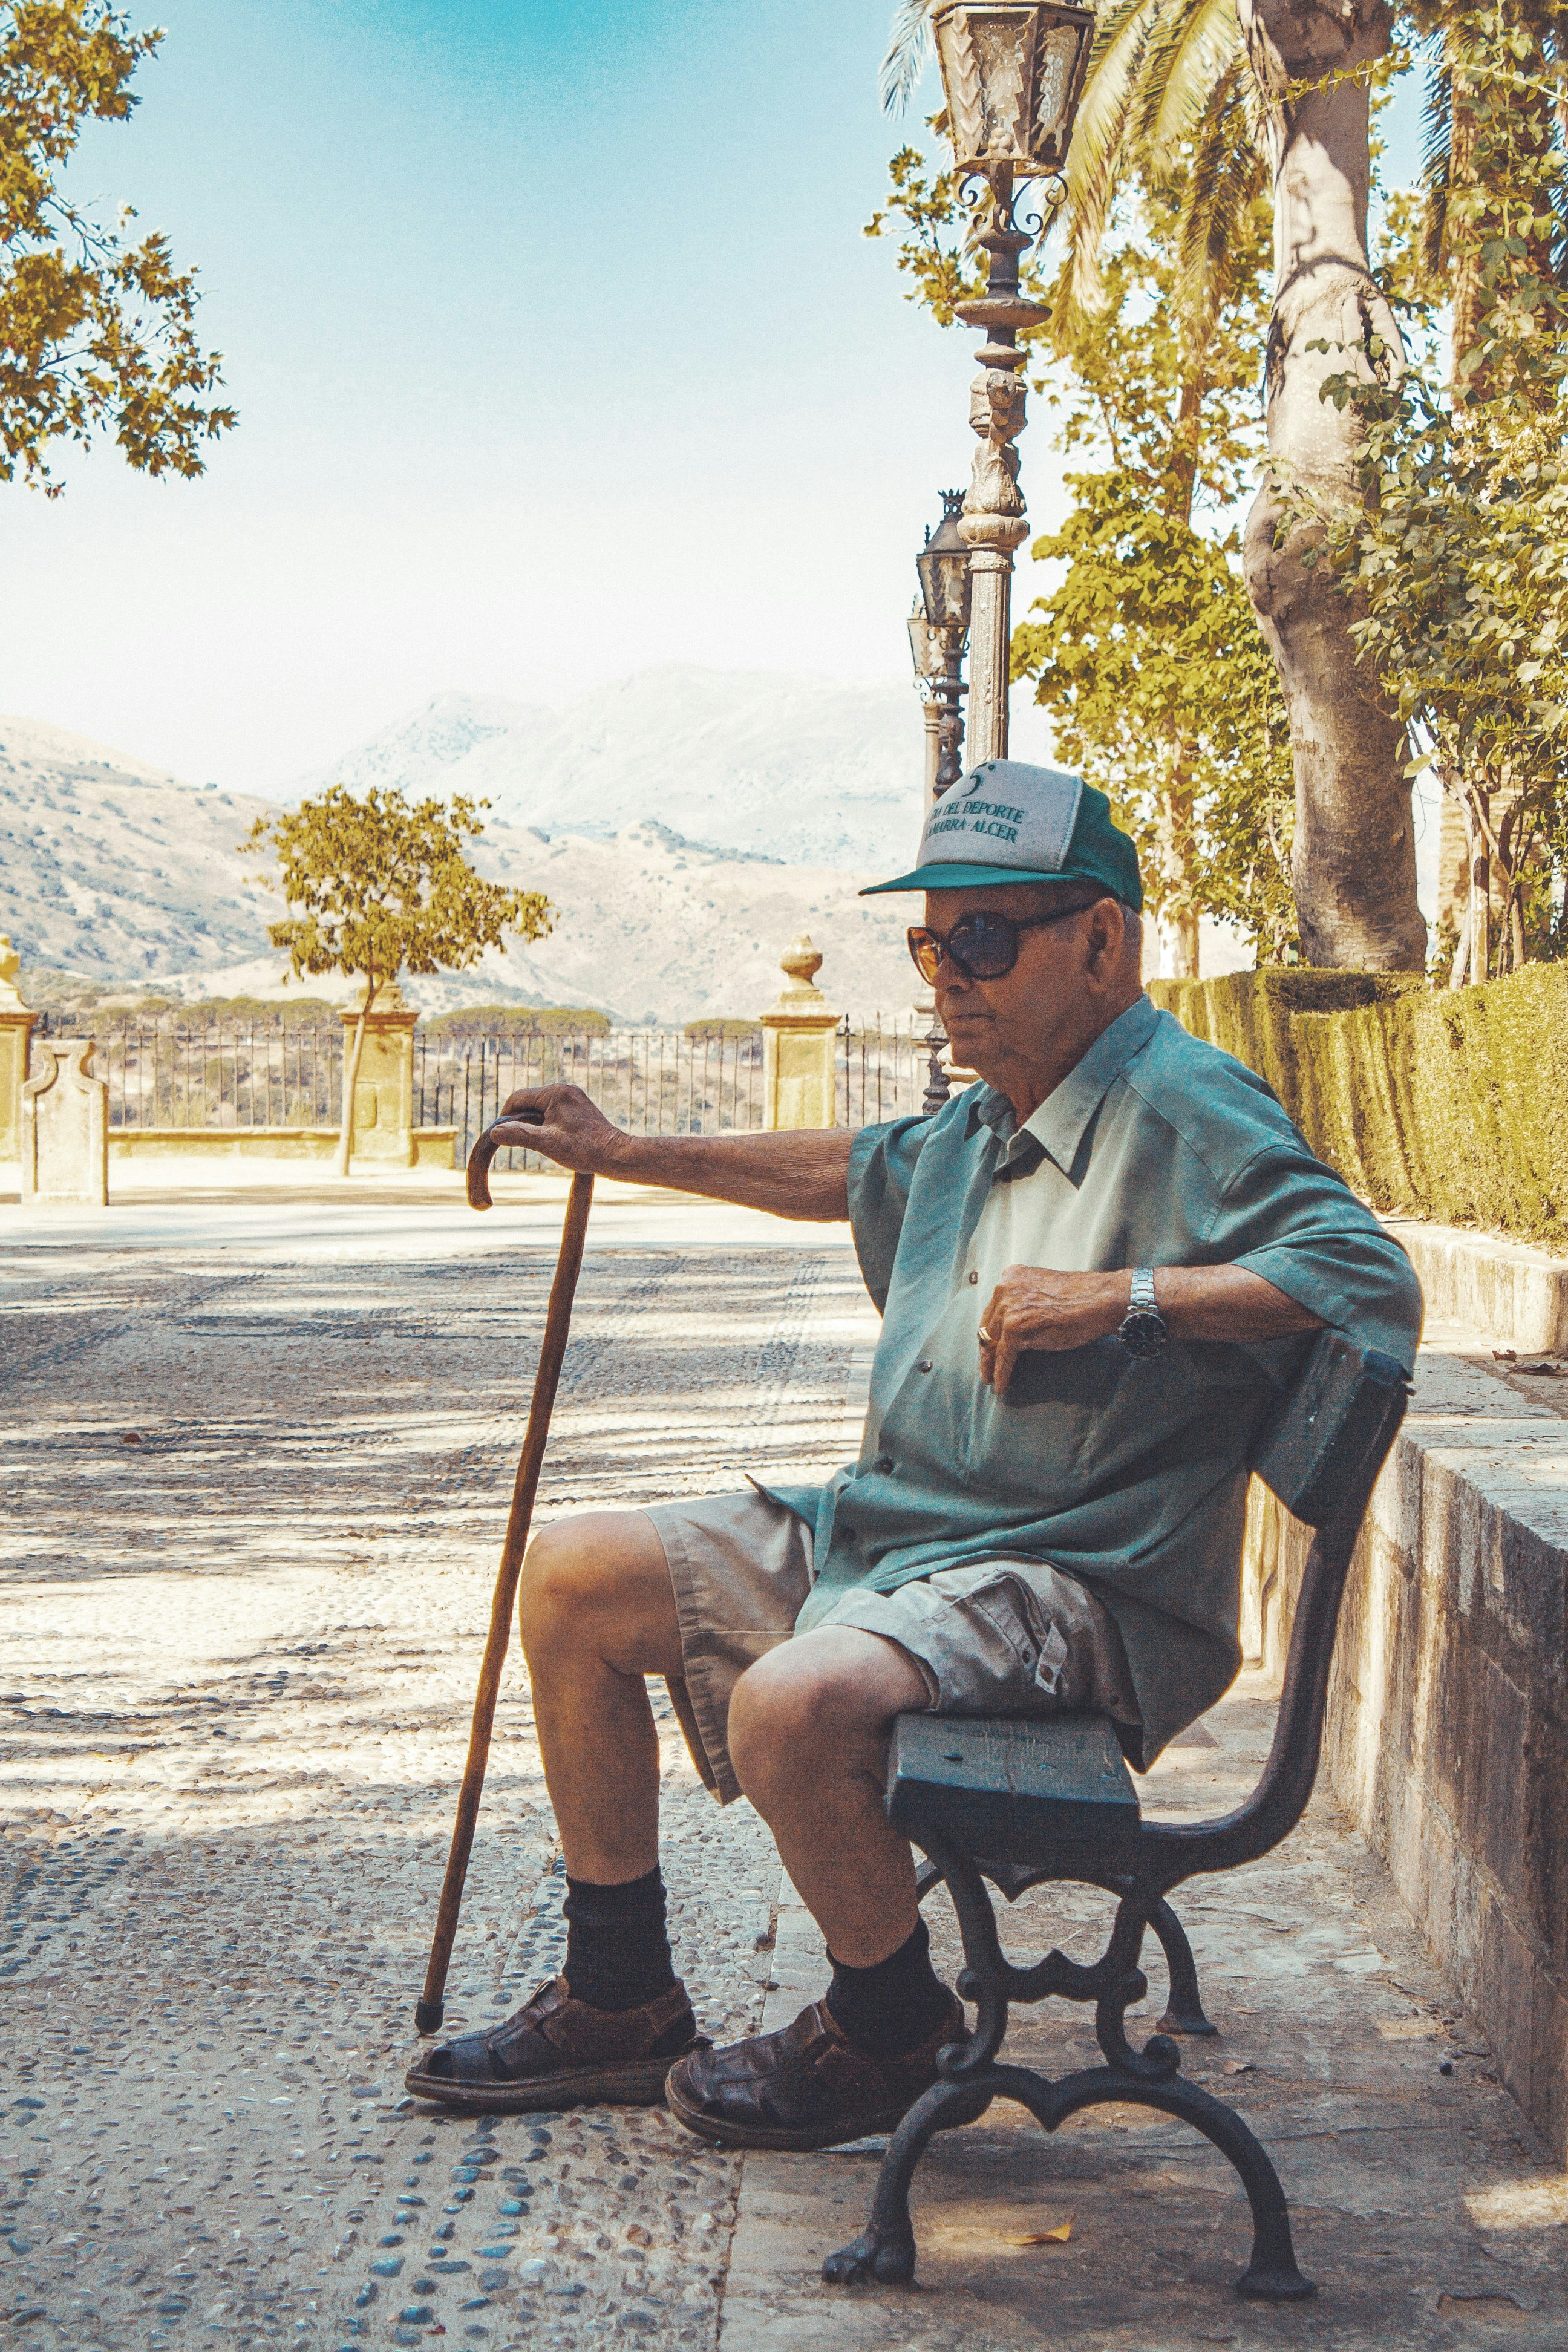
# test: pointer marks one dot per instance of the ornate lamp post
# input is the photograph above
(1012, 71)
(938, 627)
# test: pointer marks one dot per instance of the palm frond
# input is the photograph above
(1099, 159)
(1195, 42)
(909, 53)
(1228, 174)
(1437, 162)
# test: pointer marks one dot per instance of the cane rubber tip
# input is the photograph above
(428, 2015)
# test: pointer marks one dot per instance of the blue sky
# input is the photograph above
(558, 351)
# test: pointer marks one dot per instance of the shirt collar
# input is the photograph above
(1057, 1127)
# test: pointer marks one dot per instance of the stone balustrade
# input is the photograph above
(16, 1021)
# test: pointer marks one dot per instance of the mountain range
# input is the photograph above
(686, 824)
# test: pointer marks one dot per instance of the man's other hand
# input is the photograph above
(570, 1129)
(1034, 1307)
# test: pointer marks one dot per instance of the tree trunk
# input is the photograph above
(1353, 864)
(351, 1081)
(1178, 916)
(1480, 893)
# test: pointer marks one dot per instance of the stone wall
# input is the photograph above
(419, 1147)
(1447, 1725)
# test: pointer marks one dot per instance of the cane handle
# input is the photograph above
(485, 1149)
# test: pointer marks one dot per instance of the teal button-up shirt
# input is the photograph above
(1156, 1150)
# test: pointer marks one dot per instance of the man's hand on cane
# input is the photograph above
(790, 1172)
(564, 1125)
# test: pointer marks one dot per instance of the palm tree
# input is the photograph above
(1241, 94)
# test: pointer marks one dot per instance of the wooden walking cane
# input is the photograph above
(431, 2006)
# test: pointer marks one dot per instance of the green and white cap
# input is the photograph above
(1004, 821)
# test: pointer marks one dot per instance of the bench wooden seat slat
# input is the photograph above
(1052, 1790)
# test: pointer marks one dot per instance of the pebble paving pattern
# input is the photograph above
(252, 1518)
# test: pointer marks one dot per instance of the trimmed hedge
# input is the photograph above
(1250, 1013)
(1450, 1105)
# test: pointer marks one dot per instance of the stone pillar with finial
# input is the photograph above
(16, 1021)
(800, 1034)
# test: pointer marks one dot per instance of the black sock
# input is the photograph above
(617, 1953)
(890, 2007)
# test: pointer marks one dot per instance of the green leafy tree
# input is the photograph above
(1454, 556)
(1146, 652)
(1162, 693)
(385, 887)
(96, 327)
(1493, 167)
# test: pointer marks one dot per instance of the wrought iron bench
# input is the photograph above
(1025, 1802)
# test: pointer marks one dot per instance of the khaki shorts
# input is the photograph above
(994, 1637)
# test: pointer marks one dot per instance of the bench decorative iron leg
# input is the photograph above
(1184, 2005)
(1149, 2078)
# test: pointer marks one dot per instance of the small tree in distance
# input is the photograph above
(385, 887)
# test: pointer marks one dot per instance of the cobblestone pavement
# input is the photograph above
(251, 1519)
(252, 1503)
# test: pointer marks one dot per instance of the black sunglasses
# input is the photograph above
(980, 946)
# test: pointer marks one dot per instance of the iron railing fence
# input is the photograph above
(168, 1072)
(882, 1071)
(648, 1081)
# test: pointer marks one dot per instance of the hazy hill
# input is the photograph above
(652, 928)
(114, 869)
(809, 770)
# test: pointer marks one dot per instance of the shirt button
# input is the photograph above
(884, 1462)
(925, 1364)
(974, 1277)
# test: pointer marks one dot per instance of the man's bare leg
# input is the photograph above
(808, 1731)
(596, 1615)
(808, 1737)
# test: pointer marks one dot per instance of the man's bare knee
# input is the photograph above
(598, 1581)
(819, 1706)
(559, 1574)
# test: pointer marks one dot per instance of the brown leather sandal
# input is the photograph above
(806, 2087)
(555, 2053)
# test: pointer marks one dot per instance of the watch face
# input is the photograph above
(1143, 1334)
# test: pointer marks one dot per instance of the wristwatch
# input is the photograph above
(1143, 1331)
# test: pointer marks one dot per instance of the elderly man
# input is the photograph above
(1093, 1268)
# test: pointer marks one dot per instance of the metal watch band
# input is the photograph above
(1141, 1300)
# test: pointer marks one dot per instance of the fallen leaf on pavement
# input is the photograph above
(1057, 2237)
(1239, 2066)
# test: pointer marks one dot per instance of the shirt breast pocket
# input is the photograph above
(1085, 1377)
(1046, 1432)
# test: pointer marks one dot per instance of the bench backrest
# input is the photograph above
(1320, 1454)
(1327, 1437)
